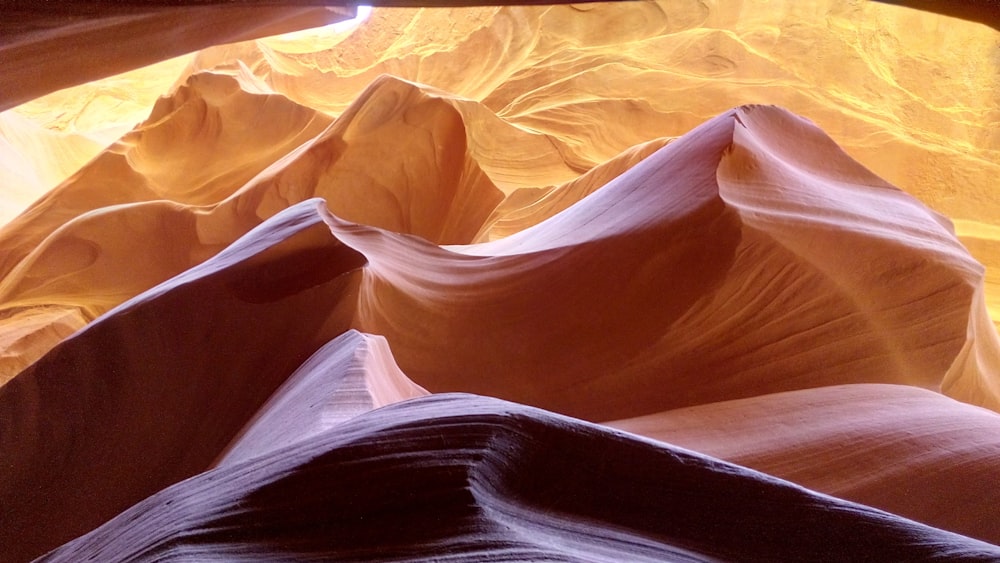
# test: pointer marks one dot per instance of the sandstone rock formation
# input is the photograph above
(906, 450)
(479, 479)
(67, 43)
(881, 80)
(205, 328)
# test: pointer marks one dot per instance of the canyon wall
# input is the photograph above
(761, 231)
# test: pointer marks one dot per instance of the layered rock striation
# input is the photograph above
(675, 328)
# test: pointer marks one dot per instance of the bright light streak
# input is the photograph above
(351, 24)
(319, 37)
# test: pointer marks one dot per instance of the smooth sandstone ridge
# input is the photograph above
(480, 479)
(909, 94)
(362, 296)
(671, 247)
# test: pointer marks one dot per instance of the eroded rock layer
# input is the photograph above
(905, 450)
(219, 311)
(479, 479)
(598, 78)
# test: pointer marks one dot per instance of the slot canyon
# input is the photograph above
(672, 280)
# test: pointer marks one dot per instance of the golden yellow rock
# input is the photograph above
(880, 79)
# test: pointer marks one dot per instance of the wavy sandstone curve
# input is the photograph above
(813, 316)
(714, 216)
(352, 374)
(483, 479)
(895, 447)
(892, 97)
(133, 414)
(246, 173)
(368, 281)
(217, 332)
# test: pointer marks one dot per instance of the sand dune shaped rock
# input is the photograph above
(475, 479)
(352, 374)
(895, 99)
(895, 447)
(444, 164)
(298, 238)
(643, 285)
(726, 264)
(196, 148)
(152, 392)
(97, 240)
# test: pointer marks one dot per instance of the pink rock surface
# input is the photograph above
(731, 252)
(905, 450)
(154, 391)
(352, 374)
(686, 280)
(216, 337)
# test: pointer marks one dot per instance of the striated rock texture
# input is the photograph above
(910, 94)
(906, 450)
(680, 326)
(479, 479)
(67, 43)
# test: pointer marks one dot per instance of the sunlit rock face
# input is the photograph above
(729, 228)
